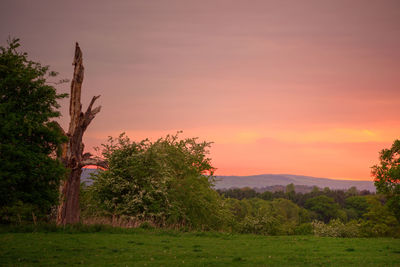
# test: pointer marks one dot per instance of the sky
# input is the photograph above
(295, 87)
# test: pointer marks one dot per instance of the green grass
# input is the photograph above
(140, 247)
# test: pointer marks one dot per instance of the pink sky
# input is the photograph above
(299, 87)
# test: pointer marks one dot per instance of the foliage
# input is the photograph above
(167, 181)
(290, 191)
(387, 176)
(29, 172)
(283, 217)
(324, 207)
(299, 198)
(304, 229)
(356, 206)
(379, 220)
(239, 193)
(258, 216)
(135, 182)
(336, 228)
(195, 204)
(260, 219)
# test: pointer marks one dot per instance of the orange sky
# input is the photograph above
(299, 87)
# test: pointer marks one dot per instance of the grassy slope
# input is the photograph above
(160, 248)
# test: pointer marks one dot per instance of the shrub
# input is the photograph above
(266, 225)
(304, 229)
(167, 182)
(336, 228)
(258, 216)
(379, 220)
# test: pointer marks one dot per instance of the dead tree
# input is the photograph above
(72, 152)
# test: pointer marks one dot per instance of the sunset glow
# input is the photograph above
(298, 87)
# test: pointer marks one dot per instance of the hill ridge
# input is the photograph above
(264, 180)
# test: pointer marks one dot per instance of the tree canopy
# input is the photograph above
(167, 181)
(29, 170)
(387, 176)
(325, 207)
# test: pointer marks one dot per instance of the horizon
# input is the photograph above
(94, 167)
(309, 88)
(297, 175)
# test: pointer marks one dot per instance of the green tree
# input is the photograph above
(290, 191)
(168, 182)
(379, 219)
(387, 176)
(258, 216)
(325, 207)
(239, 208)
(29, 170)
(356, 206)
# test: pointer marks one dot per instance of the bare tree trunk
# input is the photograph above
(72, 156)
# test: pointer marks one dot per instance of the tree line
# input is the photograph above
(347, 204)
(169, 183)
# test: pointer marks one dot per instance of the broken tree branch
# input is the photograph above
(72, 156)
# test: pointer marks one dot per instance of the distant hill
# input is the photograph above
(267, 180)
(264, 182)
(275, 188)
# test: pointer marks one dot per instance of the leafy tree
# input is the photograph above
(352, 191)
(239, 193)
(258, 216)
(239, 208)
(289, 211)
(356, 206)
(339, 196)
(29, 172)
(168, 182)
(325, 207)
(379, 220)
(267, 195)
(387, 176)
(290, 191)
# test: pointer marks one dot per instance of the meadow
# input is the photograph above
(150, 247)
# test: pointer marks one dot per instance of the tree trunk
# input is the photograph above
(72, 156)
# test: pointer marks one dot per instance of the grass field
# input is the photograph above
(167, 248)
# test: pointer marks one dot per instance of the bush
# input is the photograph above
(265, 225)
(146, 225)
(336, 228)
(19, 213)
(304, 229)
(258, 216)
(167, 182)
(379, 220)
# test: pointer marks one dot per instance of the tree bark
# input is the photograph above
(72, 155)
